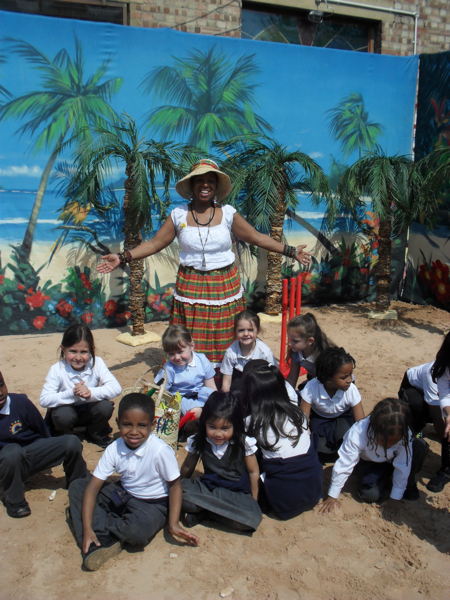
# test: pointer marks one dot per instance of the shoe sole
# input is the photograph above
(93, 561)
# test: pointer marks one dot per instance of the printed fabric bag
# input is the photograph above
(167, 408)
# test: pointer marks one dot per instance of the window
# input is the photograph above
(85, 10)
(309, 28)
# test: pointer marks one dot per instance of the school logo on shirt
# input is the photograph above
(16, 426)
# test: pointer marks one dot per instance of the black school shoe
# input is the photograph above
(438, 481)
(96, 556)
(411, 493)
(18, 511)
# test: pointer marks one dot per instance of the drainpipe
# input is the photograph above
(395, 11)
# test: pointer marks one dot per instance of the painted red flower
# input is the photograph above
(110, 308)
(39, 322)
(36, 299)
(20, 286)
(2, 279)
(88, 300)
(64, 308)
(85, 281)
(152, 298)
(87, 317)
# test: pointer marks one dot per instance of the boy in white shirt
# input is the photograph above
(132, 511)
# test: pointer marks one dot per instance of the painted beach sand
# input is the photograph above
(368, 552)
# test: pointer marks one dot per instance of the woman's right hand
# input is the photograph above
(109, 263)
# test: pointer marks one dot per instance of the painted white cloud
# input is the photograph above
(21, 170)
(316, 155)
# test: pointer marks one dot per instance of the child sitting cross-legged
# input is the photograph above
(132, 511)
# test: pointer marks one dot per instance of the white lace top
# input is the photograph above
(212, 242)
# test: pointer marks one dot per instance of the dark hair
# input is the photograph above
(137, 400)
(221, 405)
(248, 315)
(174, 337)
(442, 361)
(389, 417)
(310, 328)
(264, 389)
(75, 334)
(330, 361)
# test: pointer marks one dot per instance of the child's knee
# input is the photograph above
(103, 409)
(10, 455)
(72, 444)
(64, 418)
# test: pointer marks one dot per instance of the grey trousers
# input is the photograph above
(131, 520)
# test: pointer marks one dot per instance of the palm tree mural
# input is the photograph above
(212, 98)
(3, 91)
(266, 178)
(401, 191)
(145, 163)
(68, 105)
(350, 125)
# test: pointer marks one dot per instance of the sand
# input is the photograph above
(365, 552)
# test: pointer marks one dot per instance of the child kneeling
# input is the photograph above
(132, 511)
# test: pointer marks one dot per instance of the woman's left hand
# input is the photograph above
(303, 257)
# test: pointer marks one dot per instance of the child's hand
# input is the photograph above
(82, 391)
(89, 538)
(178, 532)
(329, 505)
(197, 411)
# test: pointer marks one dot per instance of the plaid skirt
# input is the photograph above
(206, 303)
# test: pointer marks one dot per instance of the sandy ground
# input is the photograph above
(365, 552)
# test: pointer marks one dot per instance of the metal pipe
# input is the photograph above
(395, 11)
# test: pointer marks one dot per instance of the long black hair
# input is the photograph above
(442, 361)
(221, 405)
(389, 417)
(264, 390)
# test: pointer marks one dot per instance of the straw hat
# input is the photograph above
(205, 165)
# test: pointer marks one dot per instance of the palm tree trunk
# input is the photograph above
(316, 233)
(133, 239)
(24, 249)
(383, 271)
(274, 260)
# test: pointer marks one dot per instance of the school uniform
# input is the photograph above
(291, 474)
(421, 393)
(331, 417)
(234, 361)
(27, 448)
(224, 489)
(307, 363)
(381, 472)
(188, 380)
(66, 411)
(134, 509)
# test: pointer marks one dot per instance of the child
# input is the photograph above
(291, 471)
(132, 511)
(247, 346)
(186, 371)
(441, 375)
(228, 490)
(27, 448)
(382, 445)
(79, 388)
(306, 341)
(331, 400)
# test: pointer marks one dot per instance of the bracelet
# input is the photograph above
(125, 257)
(290, 251)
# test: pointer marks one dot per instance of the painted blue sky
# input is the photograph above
(295, 87)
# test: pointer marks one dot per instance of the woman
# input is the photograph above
(208, 291)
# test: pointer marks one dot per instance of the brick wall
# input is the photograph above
(222, 17)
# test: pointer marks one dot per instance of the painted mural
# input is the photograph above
(63, 81)
(428, 260)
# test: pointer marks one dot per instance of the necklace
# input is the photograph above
(203, 244)
(212, 212)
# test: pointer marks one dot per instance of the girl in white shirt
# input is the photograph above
(228, 490)
(79, 388)
(441, 376)
(382, 447)
(331, 401)
(246, 346)
(291, 471)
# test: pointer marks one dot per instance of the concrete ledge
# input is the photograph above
(264, 318)
(390, 314)
(138, 340)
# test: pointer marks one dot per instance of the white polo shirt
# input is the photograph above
(62, 378)
(219, 451)
(420, 377)
(233, 357)
(145, 471)
(355, 446)
(314, 393)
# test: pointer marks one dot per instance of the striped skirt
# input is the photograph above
(206, 303)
